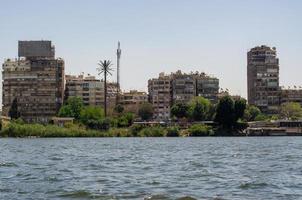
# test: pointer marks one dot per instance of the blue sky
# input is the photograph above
(159, 35)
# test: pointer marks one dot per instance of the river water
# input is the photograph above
(151, 168)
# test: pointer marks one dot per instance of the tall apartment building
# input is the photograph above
(263, 79)
(35, 80)
(88, 88)
(132, 100)
(207, 86)
(183, 87)
(160, 96)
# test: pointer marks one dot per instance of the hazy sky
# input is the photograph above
(159, 35)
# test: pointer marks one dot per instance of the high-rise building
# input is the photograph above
(207, 86)
(183, 87)
(160, 96)
(35, 80)
(89, 89)
(263, 79)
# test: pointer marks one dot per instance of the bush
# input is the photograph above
(198, 130)
(172, 131)
(119, 132)
(135, 129)
(152, 132)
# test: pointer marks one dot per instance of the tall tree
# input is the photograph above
(239, 106)
(13, 111)
(225, 112)
(105, 68)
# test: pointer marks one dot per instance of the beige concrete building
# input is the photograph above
(88, 88)
(291, 95)
(176, 87)
(35, 81)
(160, 96)
(183, 87)
(132, 100)
(263, 79)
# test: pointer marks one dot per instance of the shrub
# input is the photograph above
(172, 131)
(152, 132)
(135, 129)
(119, 132)
(199, 130)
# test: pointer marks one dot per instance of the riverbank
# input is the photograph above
(38, 130)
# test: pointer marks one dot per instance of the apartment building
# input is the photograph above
(207, 86)
(132, 100)
(160, 96)
(291, 95)
(263, 79)
(88, 88)
(183, 87)
(35, 80)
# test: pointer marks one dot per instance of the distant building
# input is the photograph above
(183, 87)
(180, 87)
(291, 95)
(36, 81)
(263, 79)
(160, 96)
(132, 100)
(89, 89)
(207, 86)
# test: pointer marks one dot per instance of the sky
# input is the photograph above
(159, 36)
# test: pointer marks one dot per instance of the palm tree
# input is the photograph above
(105, 68)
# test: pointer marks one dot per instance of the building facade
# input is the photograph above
(183, 87)
(35, 80)
(179, 87)
(132, 100)
(207, 86)
(263, 79)
(291, 95)
(88, 88)
(160, 96)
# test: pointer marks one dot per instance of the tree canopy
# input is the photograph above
(228, 111)
(72, 108)
(291, 110)
(199, 108)
(145, 111)
(180, 110)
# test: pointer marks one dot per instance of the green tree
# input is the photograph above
(225, 111)
(199, 108)
(291, 110)
(239, 106)
(251, 112)
(119, 109)
(105, 68)
(91, 113)
(72, 108)
(13, 111)
(145, 111)
(180, 110)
